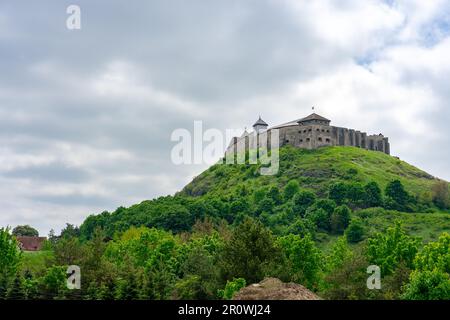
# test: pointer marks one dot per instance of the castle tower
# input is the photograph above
(260, 125)
(314, 118)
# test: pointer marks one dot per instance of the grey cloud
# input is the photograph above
(224, 61)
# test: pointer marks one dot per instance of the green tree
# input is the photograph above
(397, 197)
(338, 192)
(340, 252)
(340, 219)
(54, 283)
(319, 217)
(431, 278)
(303, 259)
(25, 230)
(70, 231)
(302, 201)
(250, 253)
(291, 189)
(17, 290)
(392, 247)
(428, 285)
(275, 195)
(231, 288)
(10, 257)
(373, 197)
(355, 231)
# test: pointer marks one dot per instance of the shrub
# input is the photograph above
(355, 231)
(303, 200)
(340, 219)
(291, 188)
(231, 288)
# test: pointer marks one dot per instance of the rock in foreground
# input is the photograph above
(274, 289)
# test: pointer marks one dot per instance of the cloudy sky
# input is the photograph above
(86, 115)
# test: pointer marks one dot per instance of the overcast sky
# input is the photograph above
(86, 115)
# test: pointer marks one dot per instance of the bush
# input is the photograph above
(428, 285)
(302, 258)
(302, 201)
(231, 288)
(355, 231)
(250, 253)
(391, 248)
(291, 188)
(340, 219)
(397, 198)
(372, 195)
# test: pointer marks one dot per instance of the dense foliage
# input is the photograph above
(327, 216)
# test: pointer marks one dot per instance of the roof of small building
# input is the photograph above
(313, 116)
(260, 122)
(31, 243)
(245, 133)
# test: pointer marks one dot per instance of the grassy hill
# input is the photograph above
(230, 192)
(315, 169)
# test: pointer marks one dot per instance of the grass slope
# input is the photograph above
(316, 170)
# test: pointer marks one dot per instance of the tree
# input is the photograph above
(231, 288)
(397, 197)
(25, 231)
(319, 217)
(53, 284)
(338, 192)
(303, 259)
(10, 257)
(435, 255)
(355, 231)
(250, 253)
(348, 281)
(274, 194)
(70, 231)
(291, 188)
(17, 290)
(373, 197)
(441, 196)
(355, 195)
(431, 278)
(302, 201)
(339, 254)
(320, 213)
(428, 285)
(340, 219)
(392, 247)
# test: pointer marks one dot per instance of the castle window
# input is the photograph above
(287, 141)
(304, 131)
(328, 131)
(327, 140)
(320, 139)
(301, 140)
(323, 130)
(309, 130)
(307, 139)
(317, 129)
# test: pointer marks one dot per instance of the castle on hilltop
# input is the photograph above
(311, 132)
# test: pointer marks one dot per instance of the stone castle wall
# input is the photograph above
(311, 136)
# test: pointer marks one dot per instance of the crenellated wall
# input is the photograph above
(312, 136)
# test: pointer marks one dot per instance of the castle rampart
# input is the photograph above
(311, 132)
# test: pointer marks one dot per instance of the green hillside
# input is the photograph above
(231, 192)
(315, 169)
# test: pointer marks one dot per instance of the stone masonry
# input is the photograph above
(311, 132)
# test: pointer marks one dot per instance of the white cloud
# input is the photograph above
(86, 118)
